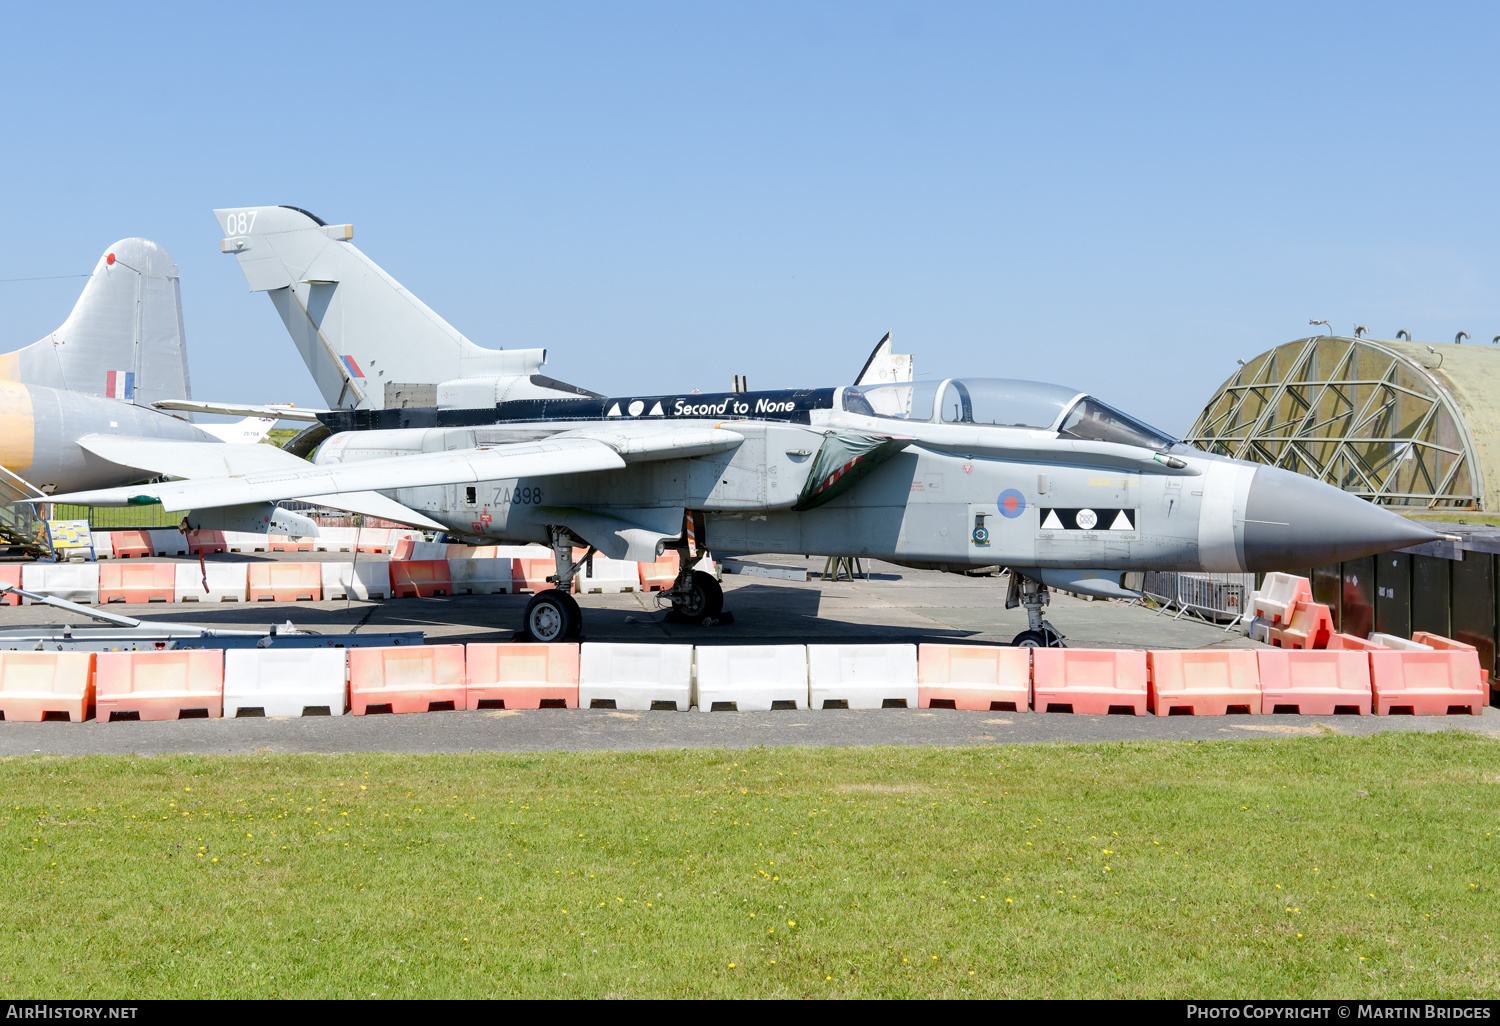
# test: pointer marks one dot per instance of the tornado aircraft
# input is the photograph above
(967, 471)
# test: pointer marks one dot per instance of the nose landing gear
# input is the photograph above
(1034, 596)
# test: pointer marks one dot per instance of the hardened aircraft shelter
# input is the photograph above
(1400, 423)
(1405, 424)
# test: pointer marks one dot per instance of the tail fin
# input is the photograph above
(124, 338)
(368, 342)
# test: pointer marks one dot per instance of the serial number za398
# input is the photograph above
(530, 495)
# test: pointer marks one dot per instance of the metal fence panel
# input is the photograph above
(1218, 597)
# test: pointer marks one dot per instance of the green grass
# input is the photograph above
(1299, 867)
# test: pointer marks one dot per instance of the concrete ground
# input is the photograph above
(894, 605)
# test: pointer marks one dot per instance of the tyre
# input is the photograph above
(1038, 639)
(552, 616)
(705, 600)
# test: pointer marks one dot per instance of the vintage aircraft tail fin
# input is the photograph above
(243, 432)
(368, 342)
(124, 338)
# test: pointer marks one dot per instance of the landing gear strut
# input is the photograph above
(1034, 596)
(553, 615)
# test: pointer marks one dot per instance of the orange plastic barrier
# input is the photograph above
(130, 543)
(978, 677)
(206, 542)
(522, 676)
(1311, 627)
(1314, 683)
(420, 578)
(662, 574)
(1443, 644)
(283, 543)
(10, 575)
(139, 582)
(1349, 643)
(286, 582)
(1203, 683)
(36, 686)
(1427, 683)
(532, 574)
(179, 684)
(411, 679)
(1085, 680)
(402, 549)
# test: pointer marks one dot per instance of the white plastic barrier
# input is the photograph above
(369, 579)
(370, 538)
(479, 576)
(334, 539)
(74, 582)
(227, 582)
(285, 682)
(1278, 596)
(245, 541)
(635, 676)
(168, 542)
(609, 576)
(862, 676)
(104, 545)
(522, 552)
(1391, 641)
(429, 550)
(754, 678)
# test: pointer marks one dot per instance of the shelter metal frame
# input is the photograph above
(1353, 413)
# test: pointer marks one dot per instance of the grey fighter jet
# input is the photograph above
(1065, 490)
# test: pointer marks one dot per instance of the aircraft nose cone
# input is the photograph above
(1293, 522)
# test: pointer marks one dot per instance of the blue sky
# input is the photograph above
(1123, 197)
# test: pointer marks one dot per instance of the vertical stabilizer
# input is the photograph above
(124, 338)
(885, 365)
(368, 342)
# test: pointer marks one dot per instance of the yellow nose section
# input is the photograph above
(17, 427)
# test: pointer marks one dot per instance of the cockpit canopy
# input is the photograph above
(1004, 402)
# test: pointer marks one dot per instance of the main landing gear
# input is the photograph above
(1034, 596)
(695, 595)
(554, 615)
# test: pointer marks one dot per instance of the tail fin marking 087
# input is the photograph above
(368, 342)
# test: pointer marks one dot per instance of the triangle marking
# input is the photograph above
(1122, 523)
(1052, 523)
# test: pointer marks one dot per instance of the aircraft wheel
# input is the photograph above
(705, 600)
(552, 616)
(1038, 639)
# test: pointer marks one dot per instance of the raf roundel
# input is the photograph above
(1012, 503)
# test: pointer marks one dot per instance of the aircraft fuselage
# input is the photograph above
(945, 495)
